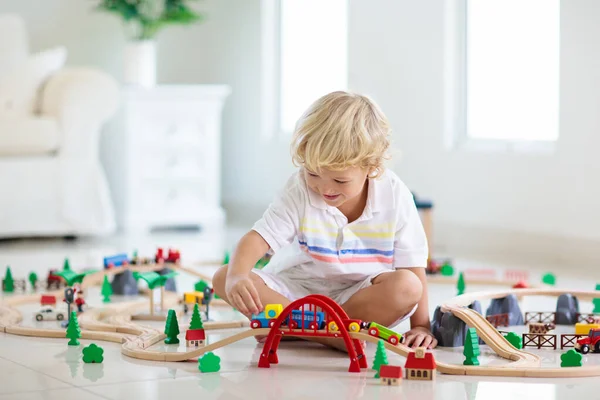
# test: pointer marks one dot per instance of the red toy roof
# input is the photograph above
(521, 285)
(420, 363)
(48, 299)
(390, 371)
(194, 334)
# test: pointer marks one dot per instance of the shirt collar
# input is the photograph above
(380, 196)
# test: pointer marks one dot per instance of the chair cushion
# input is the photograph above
(28, 136)
(20, 87)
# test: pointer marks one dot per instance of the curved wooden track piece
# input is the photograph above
(113, 324)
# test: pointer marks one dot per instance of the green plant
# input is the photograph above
(549, 279)
(66, 265)
(172, 328)
(93, 354)
(209, 362)
(73, 330)
(9, 284)
(106, 290)
(571, 359)
(460, 285)
(201, 285)
(514, 339)
(196, 321)
(596, 302)
(33, 278)
(471, 349)
(146, 17)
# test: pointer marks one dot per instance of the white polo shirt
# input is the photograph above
(320, 243)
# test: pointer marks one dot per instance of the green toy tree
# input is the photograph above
(172, 328)
(549, 279)
(446, 269)
(196, 321)
(571, 359)
(33, 280)
(209, 362)
(8, 283)
(106, 290)
(514, 339)
(93, 354)
(460, 285)
(380, 357)
(596, 302)
(471, 350)
(201, 285)
(66, 265)
(226, 258)
(73, 331)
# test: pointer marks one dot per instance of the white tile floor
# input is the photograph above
(37, 368)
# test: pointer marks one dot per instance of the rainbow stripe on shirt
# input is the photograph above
(361, 243)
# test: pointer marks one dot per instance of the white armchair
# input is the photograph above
(50, 123)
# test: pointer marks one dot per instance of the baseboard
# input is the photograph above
(524, 247)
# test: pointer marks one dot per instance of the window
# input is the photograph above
(412, 373)
(506, 62)
(305, 56)
(418, 374)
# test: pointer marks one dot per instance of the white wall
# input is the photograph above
(502, 200)
(525, 203)
(226, 49)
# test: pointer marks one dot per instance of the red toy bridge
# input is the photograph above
(308, 306)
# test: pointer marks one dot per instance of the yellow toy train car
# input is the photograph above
(191, 298)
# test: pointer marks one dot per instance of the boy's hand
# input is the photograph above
(242, 294)
(419, 337)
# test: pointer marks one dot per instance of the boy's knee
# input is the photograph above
(218, 281)
(406, 289)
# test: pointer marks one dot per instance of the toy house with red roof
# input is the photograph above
(194, 337)
(390, 374)
(420, 365)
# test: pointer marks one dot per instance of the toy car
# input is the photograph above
(266, 318)
(49, 314)
(384, 333)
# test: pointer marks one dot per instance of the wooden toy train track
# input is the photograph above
(113, 324)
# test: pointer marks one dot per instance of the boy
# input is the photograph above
(346, 227)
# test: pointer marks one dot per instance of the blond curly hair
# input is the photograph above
(342, 130)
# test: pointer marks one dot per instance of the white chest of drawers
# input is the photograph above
(164, 158)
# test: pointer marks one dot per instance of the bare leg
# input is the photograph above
(390, 297)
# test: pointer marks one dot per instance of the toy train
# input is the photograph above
(173, 256)
(312, 319)
(315, 320)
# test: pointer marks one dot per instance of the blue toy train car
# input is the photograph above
(116, 261)
(266, 318)
(312, 320)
